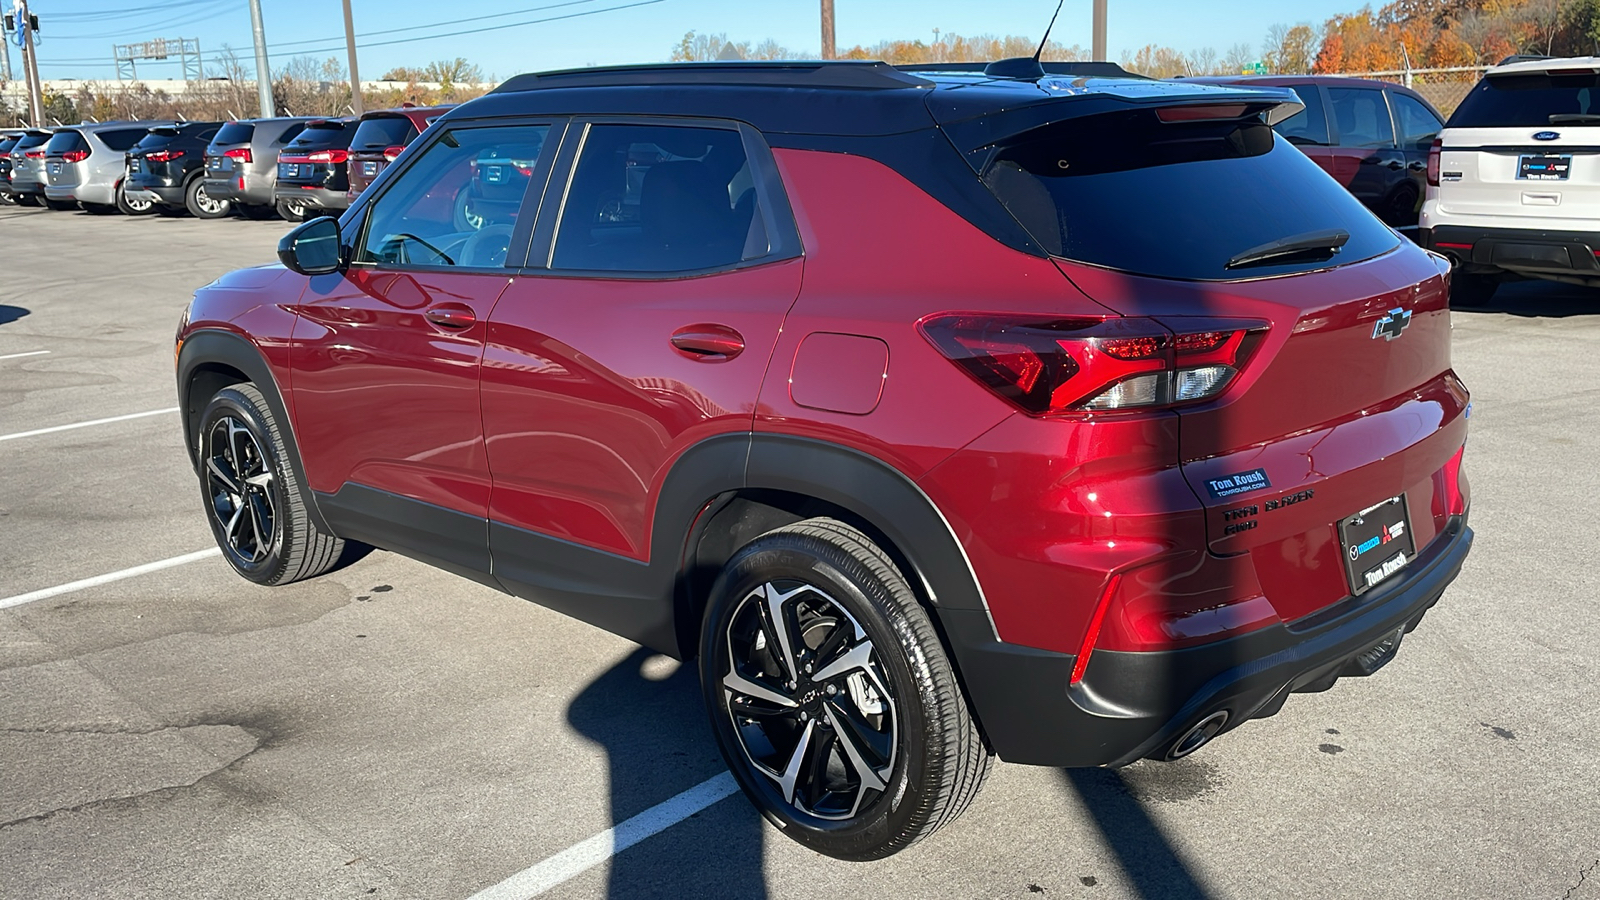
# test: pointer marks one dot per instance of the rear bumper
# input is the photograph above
(321, 198)
(254, 193)
(27, 188)
(1134, 705)
(164, 194)
(1523, 250)
(61, 191)
(103, 193)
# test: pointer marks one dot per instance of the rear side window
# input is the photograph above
(456, 204)
(1309, 126)
(323, 135)
(382, 132)
(1362, 117)
(236, 133)
(1175, 199)
(122, 139)
(1530, 101)
(1417, 123)
(652, 198)
(63, 141)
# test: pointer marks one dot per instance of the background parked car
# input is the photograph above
(27, 167)
(1373, 137)
(85, 164)
(167, 168)
(242, 162)
(381, 135)
(8, 139)
(314, 170)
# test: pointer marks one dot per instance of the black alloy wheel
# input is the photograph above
(831, 696)
(253, 497)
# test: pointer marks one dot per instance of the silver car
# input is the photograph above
(84, 166)
(27, 167)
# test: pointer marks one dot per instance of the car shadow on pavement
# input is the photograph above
(1142, 849)
(9, 314)
(647, 712)
(1538, 299)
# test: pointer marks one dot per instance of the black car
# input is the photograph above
(314, 170)
(167, 168)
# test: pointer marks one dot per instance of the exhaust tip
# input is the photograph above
(1198, 736)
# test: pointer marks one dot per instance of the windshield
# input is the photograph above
(322, 136)
(381, 132)
(1528, 101)
(1127, 191)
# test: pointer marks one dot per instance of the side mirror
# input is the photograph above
(312, 248)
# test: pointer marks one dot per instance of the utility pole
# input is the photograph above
(263, 71)
(350, 44)
(827, 30)
(1099, 41)
(5, 56)
(30, 66)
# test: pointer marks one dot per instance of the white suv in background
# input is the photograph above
(1514, 178)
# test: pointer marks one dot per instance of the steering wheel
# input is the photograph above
(487, 247)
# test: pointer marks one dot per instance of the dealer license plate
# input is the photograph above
(288, 170)
(55, 168)
(1377, 544)
(1544, 167)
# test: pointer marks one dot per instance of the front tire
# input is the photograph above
(831, 696)
(202, 205)
(254, 501)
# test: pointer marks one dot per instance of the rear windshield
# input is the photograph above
(122, 138)
(1176, 200)
(1529, 101)
(380, 132)
(29, 141)
(62, 141)
(6, 143)
(322, 136)
(156, 138)
(235, 133)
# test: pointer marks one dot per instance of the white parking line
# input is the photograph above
(39, 431)
(591, 852)
(107, 578)
(21, 355)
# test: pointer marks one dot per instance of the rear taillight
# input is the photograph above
(33, 154)
(164, 155)
(1455, 496)
(75, 156)
(1433, 162)
(242, 154)
(1055, 366)
(390, 153)
(332, 157)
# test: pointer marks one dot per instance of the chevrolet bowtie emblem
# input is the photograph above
(1393, 322)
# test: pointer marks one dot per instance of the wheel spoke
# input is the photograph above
(856, 657)
(232, 528)
(791, 772)
(746, 706)
(229, 483)
(777, 620)
(814, 774)
(739, 684)
(262, 529)
(858, 741)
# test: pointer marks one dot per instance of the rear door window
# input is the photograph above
(656, 198)
(1362, 117)
(1417, 124)
(1309, 126)
(457, 204)
(1129, 192)
(1532, 100)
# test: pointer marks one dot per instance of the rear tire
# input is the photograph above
(290, 211)
(61, 205)
(1468, 290)
(133, 207)
(831, 696)
(256, 213)
(27, 200)
(254, 500)
(98, 209)
(202, 205)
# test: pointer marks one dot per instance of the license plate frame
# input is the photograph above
(288, 170)
(1544, 166)
(1377, 544)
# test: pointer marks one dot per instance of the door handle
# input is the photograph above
(453, 316)
(707, 343)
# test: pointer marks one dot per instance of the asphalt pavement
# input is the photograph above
(392, 731)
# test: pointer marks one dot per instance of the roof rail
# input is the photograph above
(849, 75)
(1082, 69)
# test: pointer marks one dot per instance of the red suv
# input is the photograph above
(379, 138)
(1070, 418)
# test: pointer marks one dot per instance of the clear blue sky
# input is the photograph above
(78, 34)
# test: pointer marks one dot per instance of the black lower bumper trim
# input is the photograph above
(1518, 250)
(1133, 705)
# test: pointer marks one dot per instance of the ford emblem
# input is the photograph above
(1548, 136)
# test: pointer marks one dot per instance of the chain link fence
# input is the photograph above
(1444, 88)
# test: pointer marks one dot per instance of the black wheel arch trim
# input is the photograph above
(210, 347)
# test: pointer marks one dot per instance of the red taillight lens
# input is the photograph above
(75, 156)
(1455, 495)
(389, 153)
(164, 155)
(1054, 366)
(1200, 113)
(1433, 162)
(332, 157)
(242, 154)
(34, 154)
